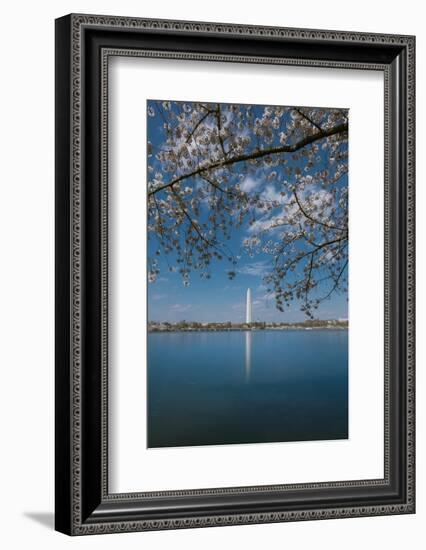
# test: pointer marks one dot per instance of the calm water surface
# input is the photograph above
(213, 388)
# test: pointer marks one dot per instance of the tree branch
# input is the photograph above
(218, 116)
(309, 119)
(336, 282)
(191, 221)
(208, 112)
(334, 227)
(341, 128)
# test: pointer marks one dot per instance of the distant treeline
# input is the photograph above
(154, 326)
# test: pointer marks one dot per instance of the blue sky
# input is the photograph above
(219, 298)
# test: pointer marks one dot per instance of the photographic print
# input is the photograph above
(203, 297)
(247, 273)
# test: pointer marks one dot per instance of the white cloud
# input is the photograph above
(265, 224)
(270, 194)
(158, 296)
(248, 184)
(273, 222)
(181, 308)
(256, 269)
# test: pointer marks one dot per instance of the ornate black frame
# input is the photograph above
(83, 45)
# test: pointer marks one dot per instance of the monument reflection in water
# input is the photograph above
(248, 355)
(248, 334)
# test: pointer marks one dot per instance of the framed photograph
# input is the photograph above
(234, 274)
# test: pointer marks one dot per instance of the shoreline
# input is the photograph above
(247, 329)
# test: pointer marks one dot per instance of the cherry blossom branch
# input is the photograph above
(218, 116)
(336, 282)
(299, 204)
(309, 119)
(191, 134)
(339, 129)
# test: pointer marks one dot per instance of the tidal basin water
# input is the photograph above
(216, 388)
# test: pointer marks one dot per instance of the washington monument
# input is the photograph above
(248, 307)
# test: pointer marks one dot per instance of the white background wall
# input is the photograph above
(27, 262)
